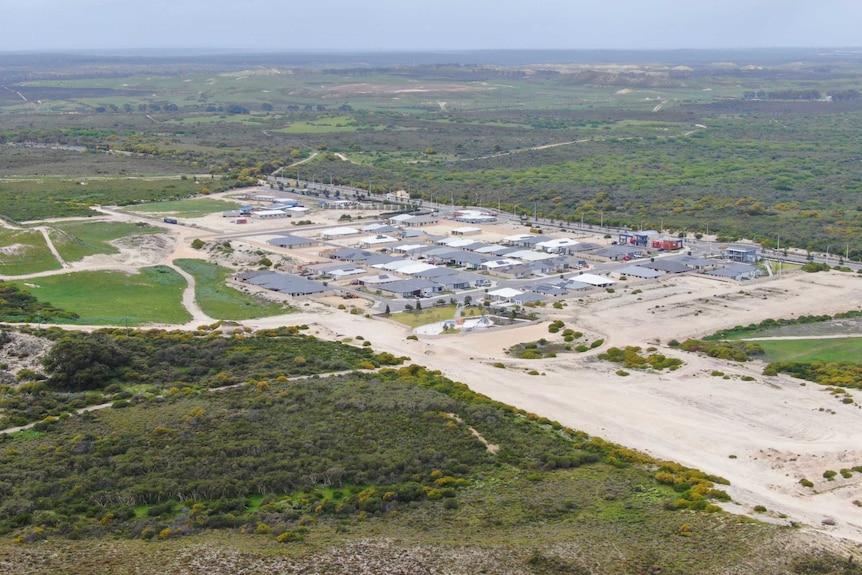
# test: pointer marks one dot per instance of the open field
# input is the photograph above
(24, 251)
(827, 349)
(115, 298)
(76, 240)
(186, 208)
(219, 301)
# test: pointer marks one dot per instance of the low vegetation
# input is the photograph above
(632, 357)
(730, 350)
(771, 324)
(839, 374)
(20, 306)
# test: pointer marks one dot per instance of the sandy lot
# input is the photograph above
(763, 435)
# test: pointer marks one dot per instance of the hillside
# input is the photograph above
(392, 470)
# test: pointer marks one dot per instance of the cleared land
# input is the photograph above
(154, 295)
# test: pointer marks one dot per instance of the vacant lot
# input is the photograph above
(115, 298)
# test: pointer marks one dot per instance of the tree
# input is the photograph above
(83, 363)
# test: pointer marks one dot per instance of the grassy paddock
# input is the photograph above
(804, 350)
(115, 298)
(186, 208)
(24, 252)
(219, 301)
(76, 240)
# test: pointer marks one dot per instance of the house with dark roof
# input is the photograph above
(413, 287)
(282, 283)
(621, 252)
(738, 272)
(667, 265)
(641, 272)
(464, 259)
(547, 289)
(292, 242)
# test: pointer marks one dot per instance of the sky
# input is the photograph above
(410, 25)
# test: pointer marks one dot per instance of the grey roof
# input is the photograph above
(289, 284)
(423, 219)
(696, 262)
(291, 241)
(547, 289)
(457, 279)
(362, 256)
(733, 271)
(640, 272)
(574, 285)
(383, 229)
(742, 248)
(668, 265)
(408, 285)
(534, 240)
(463, 257)
(614, 252)
(437, 272)
(583, 247)
(529, 297)
(438, 251)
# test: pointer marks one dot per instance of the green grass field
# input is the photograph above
(804, 350)
(24, 252)
(186, 208)
(76, 240)
(115, 298)
(219, 301)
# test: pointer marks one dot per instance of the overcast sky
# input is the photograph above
(369, 25)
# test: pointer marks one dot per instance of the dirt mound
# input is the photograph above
(20, 351)
(135, 251)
